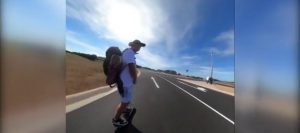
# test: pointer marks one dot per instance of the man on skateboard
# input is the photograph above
(126, 81)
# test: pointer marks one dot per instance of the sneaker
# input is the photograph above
(119, 122)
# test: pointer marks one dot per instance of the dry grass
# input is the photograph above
(82, 74)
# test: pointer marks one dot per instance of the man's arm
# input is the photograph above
(132, 71)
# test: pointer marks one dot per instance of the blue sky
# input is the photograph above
(179, 34)
(34, 20)
(266, 43)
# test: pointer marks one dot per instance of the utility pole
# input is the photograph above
(212, 68)
(186, 71)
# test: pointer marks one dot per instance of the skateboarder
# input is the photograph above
(127, 80)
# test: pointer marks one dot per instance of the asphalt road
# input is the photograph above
(172, 108)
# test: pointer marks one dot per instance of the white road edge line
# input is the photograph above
(79, 104)
(155, 82)
(199, 88)
(86, 101)
(232, 122)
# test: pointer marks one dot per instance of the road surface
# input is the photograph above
(164, 105)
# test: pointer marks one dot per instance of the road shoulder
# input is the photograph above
(215, 87)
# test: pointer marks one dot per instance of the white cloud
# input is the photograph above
(117, 20)
(228, 39)
(189, 57)
(150, 21)
(124, 21)
(148, 59)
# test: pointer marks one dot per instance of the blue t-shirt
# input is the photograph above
(128, 56)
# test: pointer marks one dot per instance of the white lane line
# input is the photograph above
(85, 92)
(81, 103)
(86, 101)
(155, 82)
(232, 122)
(199, 88)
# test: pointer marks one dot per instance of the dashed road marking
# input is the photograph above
(199, 88)
(155, 82)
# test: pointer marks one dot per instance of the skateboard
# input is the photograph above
(128, 114)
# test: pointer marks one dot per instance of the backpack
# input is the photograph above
(112, 65)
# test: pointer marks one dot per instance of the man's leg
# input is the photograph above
(125, 100)
(122, 106)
